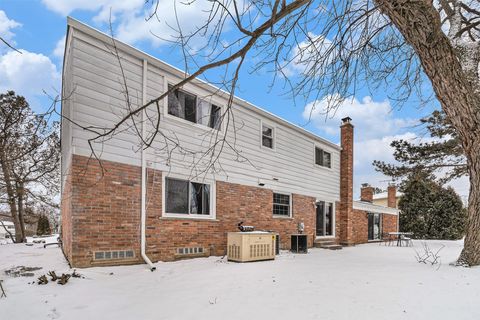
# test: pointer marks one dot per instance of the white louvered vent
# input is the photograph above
(190, 250)
(114, 255)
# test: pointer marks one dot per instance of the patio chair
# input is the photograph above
(408, 241)
(387, 239)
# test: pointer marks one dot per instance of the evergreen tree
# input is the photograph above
(431, 211)
(43, 227)
(442, 155)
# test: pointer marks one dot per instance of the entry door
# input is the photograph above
(374, 226)
(324, 219)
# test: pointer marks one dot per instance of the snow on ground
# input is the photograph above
(364, 282)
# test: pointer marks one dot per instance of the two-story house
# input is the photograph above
(129, 204)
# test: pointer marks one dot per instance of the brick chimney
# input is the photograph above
(346, 182)
(366, 192)
(392, 196)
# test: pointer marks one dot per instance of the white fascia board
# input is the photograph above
(370, 207)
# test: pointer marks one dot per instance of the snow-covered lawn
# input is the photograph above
(363, 282)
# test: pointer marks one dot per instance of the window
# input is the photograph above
(323, 158)
(185, 197)
(267, 136)
(281, 204)
(187, 106)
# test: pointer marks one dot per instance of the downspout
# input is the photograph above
(143, 219)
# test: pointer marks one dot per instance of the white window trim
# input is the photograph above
(315, 146)
(274, 135)
(290, 209)
(213, 202)
(334, 220)
(182, 121)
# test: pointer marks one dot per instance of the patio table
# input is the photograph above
(399, 236)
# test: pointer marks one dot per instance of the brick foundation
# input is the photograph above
(101, 212)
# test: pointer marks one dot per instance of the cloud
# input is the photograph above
(368, 150)
(372, 119)
(308, 56)
(129, 17)
(376, 126)
(28, 74)
(59, 48)
(6, 26)
(66, 7)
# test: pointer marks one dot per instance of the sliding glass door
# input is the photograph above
(325, 219)
(374, 226)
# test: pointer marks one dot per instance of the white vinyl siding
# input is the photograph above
(99, 101)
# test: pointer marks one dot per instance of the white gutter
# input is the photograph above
(143, 241)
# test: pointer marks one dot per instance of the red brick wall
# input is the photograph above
(103, 214)
(390, 223)
(235, 203)
(66, 211)
(392, 196)
(366, 194)
(345, 217)
(104, 210)
(360, 225)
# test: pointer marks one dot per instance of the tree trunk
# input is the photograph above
(2, 225)
(21, 210)
(419, 23)
(471, 251)
(11, 197)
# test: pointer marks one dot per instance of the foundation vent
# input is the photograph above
(113, 255)
(190, 250)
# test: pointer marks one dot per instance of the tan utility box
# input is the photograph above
(250, 246)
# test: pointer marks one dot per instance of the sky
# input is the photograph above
(37, 28)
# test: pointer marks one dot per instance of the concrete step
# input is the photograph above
(332, 247)
(327, 244)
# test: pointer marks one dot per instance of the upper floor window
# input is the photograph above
(189, 107)
(186, 197)
(267, 136)
(323, 158)
(281, 204)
